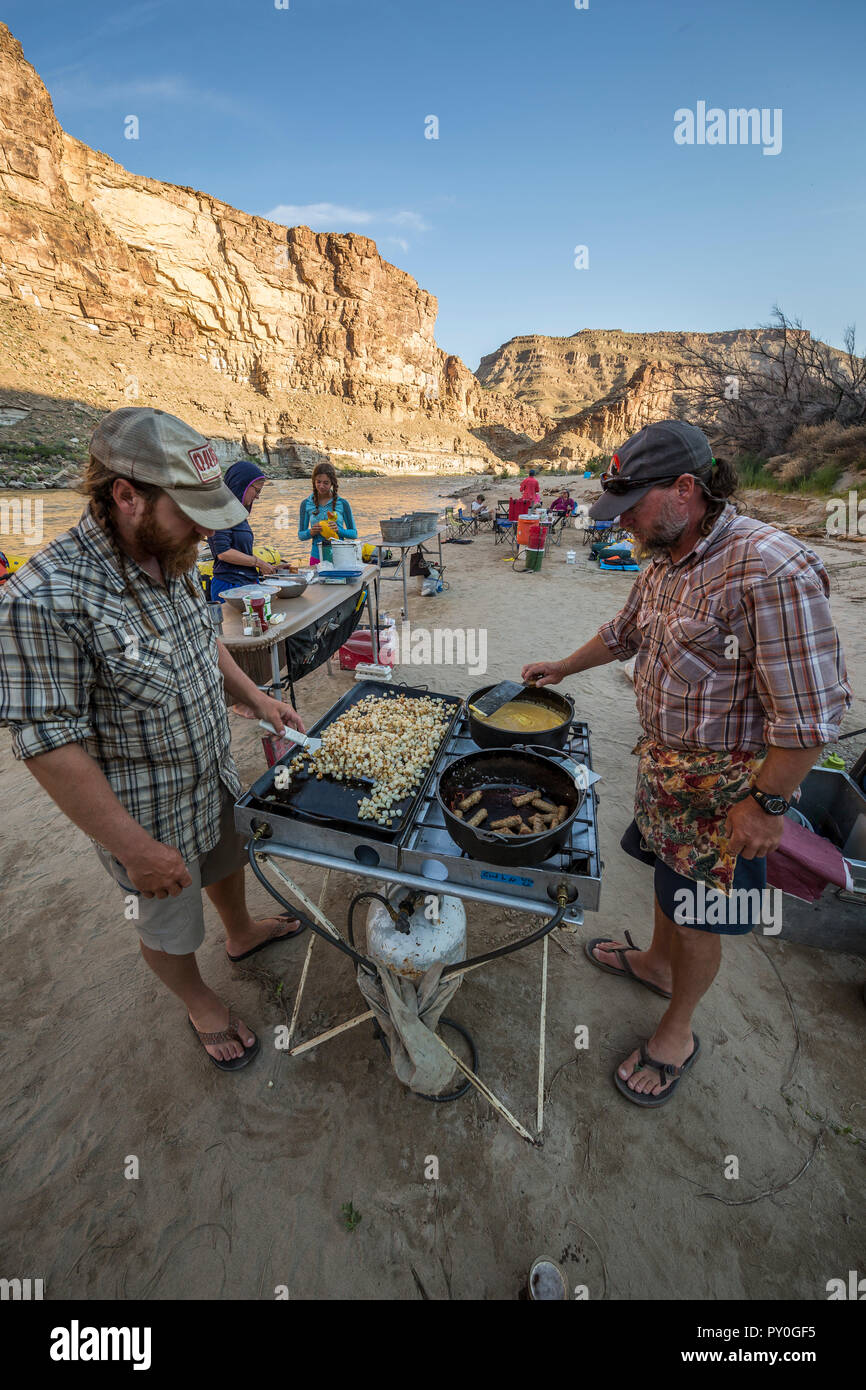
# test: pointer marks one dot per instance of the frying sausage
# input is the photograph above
(469, 801)
(524, 798)
(479, 815)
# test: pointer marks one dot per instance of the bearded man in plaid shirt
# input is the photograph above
(112, 681)
(740, 681)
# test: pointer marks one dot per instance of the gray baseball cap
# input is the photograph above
(151, 446)
(659, 451)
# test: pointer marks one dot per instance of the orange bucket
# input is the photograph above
(531, 533)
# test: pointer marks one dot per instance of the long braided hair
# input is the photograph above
(325, 466)
(97, 485)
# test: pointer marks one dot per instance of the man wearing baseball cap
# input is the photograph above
(112, 680)
(740, 680)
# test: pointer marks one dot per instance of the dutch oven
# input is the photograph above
(482, 732)
(501, 774)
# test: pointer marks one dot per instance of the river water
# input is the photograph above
(23, 530)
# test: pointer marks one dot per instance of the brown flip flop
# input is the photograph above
(229, 1034)
(669, 1076)
(271, 941)
(620, 952)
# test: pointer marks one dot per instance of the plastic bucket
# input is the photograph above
(531, 533)
(346, 554)
(533, 559)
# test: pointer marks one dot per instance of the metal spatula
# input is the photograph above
(498, 696)
(312, 745)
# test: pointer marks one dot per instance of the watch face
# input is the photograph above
(775, 805)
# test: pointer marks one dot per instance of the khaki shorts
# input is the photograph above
(176, 925)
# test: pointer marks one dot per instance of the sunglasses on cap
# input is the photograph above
(618, 487)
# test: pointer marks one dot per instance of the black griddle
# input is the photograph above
(334, 804)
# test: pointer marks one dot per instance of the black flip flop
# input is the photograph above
(626, 970)
(271, 941)
(227, 1035)
(666, 1071)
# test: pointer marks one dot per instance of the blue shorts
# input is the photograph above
(675, 893)
(218, 586)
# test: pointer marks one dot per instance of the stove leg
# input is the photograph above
(488, 1095)
(539, 1120)
(303, 979)
(331, 1033)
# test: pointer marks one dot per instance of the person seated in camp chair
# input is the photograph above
(740, 680)
(561, 510)
(113, 683)
(480, 512)
(564, 503)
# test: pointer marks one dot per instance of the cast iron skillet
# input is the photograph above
(486, 736)
(502, 773)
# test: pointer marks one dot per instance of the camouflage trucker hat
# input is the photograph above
(151, 446)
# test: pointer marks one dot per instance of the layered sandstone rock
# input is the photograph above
(561, 376)
(280, 321)
(648, 395)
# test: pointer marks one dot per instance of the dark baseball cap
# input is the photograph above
(659, 451)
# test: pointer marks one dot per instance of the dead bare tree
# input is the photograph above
(768, 382)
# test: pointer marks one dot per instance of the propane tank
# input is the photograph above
(437, 933)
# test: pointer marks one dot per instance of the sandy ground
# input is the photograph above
(242, 1181)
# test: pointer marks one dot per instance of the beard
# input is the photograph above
(175, 557)
(667, 529)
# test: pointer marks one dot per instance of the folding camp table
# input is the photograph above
(253, 654)
(416, 543)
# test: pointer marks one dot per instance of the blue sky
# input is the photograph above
(555, 130)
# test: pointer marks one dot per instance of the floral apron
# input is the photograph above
(681, 802)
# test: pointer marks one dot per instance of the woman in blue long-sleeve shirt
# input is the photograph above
(315, 508)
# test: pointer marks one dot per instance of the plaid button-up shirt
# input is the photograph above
(79, 665)
(735, 646)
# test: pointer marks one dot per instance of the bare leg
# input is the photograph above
(695, 959)
(206, 1009)
(653, 964)
(242, 933)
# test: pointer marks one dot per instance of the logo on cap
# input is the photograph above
(614, 463)
(207, 464)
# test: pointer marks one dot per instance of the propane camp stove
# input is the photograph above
(425, 857)
(422, 856)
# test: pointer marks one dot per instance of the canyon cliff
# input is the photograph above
(115, 288)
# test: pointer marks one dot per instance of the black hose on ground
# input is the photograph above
(302, 916)
(464, 1033)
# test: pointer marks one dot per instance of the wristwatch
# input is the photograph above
(773, 805)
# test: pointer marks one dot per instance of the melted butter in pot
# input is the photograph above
(524, 716)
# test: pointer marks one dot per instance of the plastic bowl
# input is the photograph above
(292, 586)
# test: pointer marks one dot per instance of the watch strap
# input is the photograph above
(763, 798)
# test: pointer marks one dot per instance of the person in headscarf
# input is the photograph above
(232, 550)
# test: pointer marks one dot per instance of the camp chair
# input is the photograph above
(558, 522)
(596, 531)
(505, 532)
(458, 525)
